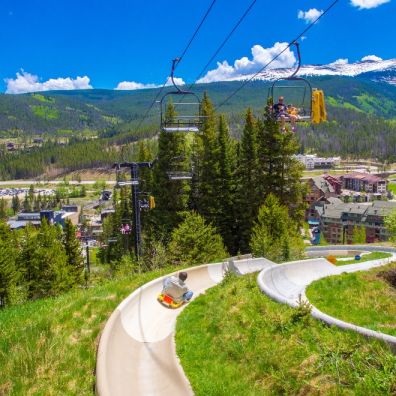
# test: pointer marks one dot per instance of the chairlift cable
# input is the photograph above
(180, 59)
(220, 47)
(278, 55)
(196, 31)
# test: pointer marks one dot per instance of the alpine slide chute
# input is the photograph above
(137, 354)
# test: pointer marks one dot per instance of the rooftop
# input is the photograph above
(363, 177)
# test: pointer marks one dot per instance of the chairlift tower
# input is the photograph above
(136, 203)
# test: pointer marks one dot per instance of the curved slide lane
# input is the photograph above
(137, 354)
(286, 283)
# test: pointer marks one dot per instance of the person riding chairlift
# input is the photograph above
(175, 287)
(283, 113)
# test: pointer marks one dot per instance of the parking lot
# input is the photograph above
(11, 192)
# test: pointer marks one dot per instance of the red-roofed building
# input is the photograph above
(364, 182)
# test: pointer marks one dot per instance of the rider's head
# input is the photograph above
(183, 276)
(281, 99)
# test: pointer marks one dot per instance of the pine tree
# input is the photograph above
(72, 248)
(274, 234)
(9, 275)
(27, 204)
(15, 204)
(49, 273)
(247, 196)
(145, 174)
(195, 242)
(225, 187)
(171, 195)
(358, 235)
(207, 165)
(279, 171)
(3, 209)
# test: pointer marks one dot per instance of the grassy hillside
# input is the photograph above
(236, 341)
(362, 298)
(48, 347)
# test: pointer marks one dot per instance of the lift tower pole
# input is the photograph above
(134, 182)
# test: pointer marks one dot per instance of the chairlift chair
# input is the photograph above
(189, 117)
(299, 92)
(126, 227)
(178, 172)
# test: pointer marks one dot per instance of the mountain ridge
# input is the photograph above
(372, 69)
(64, 113)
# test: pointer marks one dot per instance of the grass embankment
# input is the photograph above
(365, 257)
(236, 341)
(48, 347)
(362, 298)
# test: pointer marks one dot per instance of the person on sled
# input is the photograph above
(175, 287)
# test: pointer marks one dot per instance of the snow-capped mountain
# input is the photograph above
(375, 70)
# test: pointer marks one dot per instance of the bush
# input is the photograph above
(195, 242)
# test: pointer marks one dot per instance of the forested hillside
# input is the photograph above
(361, 123)
(68, 112)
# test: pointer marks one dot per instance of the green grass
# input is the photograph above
(236, 341)
(45, 112)
(365, 257)
(42, 98)
(48, 347)
(341, 103)
(392, 187)
(361, 298)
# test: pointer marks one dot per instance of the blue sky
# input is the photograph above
(108, 42)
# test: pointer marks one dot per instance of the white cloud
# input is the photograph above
(367, 4)
(260, 57)
(341, 61)
(178, 81)
(374, 58)
(132, 85)
(26, 82)
(309, 16)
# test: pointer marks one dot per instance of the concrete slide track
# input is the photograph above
(286, 283)
(137, 354)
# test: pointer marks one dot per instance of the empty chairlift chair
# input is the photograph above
(178, 169)
(188, 116)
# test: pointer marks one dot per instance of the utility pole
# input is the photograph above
(134, 182)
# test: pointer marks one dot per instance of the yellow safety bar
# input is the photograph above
(151, 202)
(318, 107)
